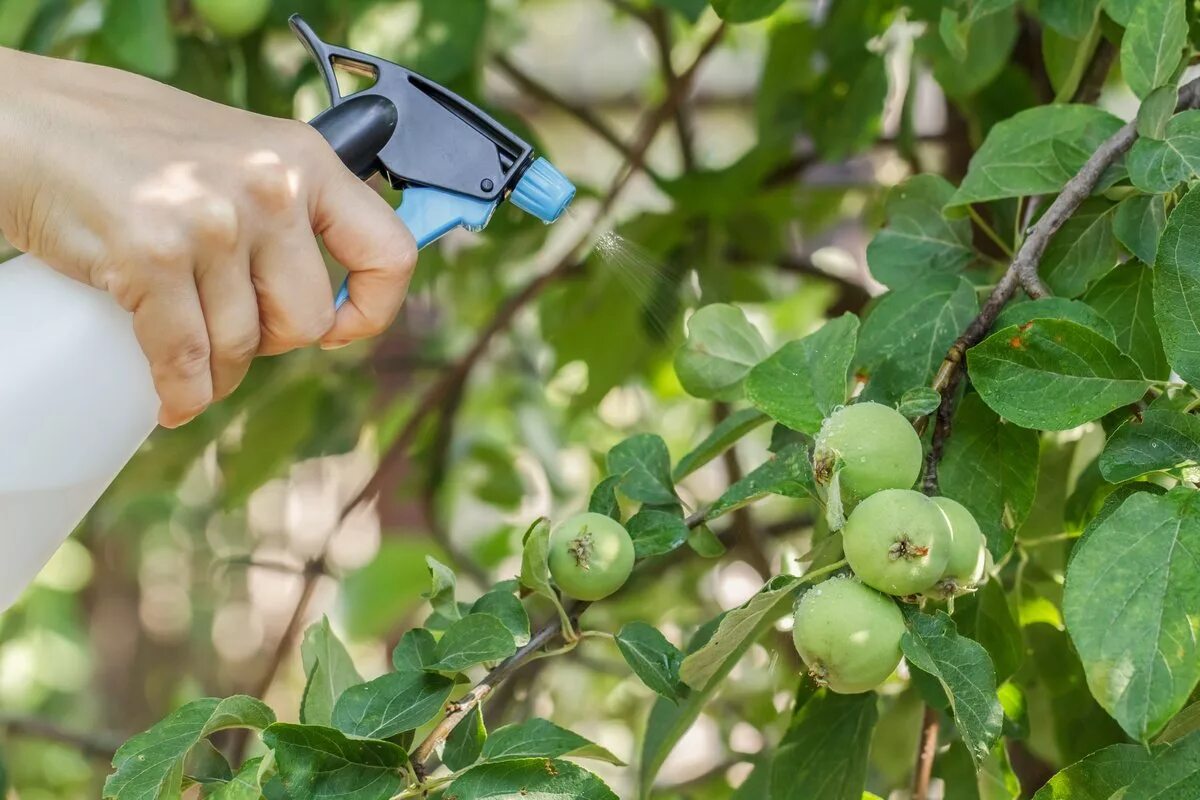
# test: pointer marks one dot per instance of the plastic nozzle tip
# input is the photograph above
(543, 191)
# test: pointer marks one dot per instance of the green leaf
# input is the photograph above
(535, 565)
(1035, 152)
(604, 498)
(656, 532)
(644, 466)
(692, 10)
(737, 11)
(988, 47)
(651, 657)
(473, 640)
(919, 240)
(391, 704)
(964, 671)
(139, 34)
(1125, 297)
(1155, 112)
(842, 112)
(527, 779)
(1153, 44)
(787, 473)
(721, 347)
(954, 33)
(245, 785)
(1053, 374)
(465, 743)
(1176, 287)
(986, 617)
(669, 721)
(1071, 18)
(1131, 603)
(1158, 165)
(803, 381)
(1054, 308)
(909, 330)
(1083, 250)
(1182, 724)
(824, 754)
(415, 652)
(1120, 10)
(705, 543)
(957, 771)
(317, 763)
(726, 433)
(506, 607)
(1098, 776)
(1174, 773)
(543, 739)
(329, 671)
(1139, 223)
(441, 594)
(919, 402)
(205, 765)
(150, 765)
(737, 631)
(1162, 439)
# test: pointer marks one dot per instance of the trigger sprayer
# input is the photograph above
(76, 396)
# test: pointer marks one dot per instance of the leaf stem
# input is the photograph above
(812, 575)
(990, 231)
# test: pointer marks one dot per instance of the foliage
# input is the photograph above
(1034, 269)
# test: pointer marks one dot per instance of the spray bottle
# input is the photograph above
(76, 396)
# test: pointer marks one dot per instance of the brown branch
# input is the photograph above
(1032, 772)
(926, 752)
(660, 28)
(583, 114)
(313, 570)
(1096, 73)
(1023, 273)
(457, 710)
(100, 746)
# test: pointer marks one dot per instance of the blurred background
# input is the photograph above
(734, 163)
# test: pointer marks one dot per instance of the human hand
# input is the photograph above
(198, 218)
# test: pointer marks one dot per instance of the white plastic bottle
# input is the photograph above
(76, 402)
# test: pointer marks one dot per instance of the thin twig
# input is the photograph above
(659, 23)
(1096, 73)
(459, 709)
(313, 571)
(926, 751)
(583, 114)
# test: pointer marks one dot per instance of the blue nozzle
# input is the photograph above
(543, 191)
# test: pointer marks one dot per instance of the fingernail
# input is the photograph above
(333, 345)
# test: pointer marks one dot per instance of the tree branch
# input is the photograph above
(100, 746)
(660, 28)
(457, 710)
(583, 114)
(1023, 272)
(926, 751)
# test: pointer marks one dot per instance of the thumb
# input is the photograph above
(366, 237)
